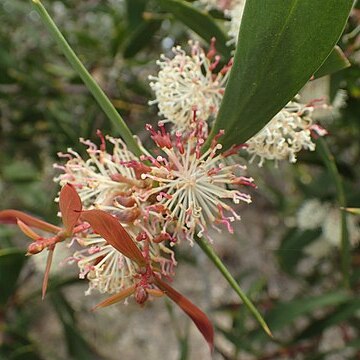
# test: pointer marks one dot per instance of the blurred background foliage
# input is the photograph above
(45, 108)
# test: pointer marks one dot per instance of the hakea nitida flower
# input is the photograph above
(108, 271)
(188, 83)
(193, 186)
(102, 176)
(70, 209)
(112, 182)
(289, 132)
(147, 279)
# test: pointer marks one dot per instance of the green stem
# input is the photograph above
(330, 164)
(208, 250)
(89, 81)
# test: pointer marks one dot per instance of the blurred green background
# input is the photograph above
(45, 108)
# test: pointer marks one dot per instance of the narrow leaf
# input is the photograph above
(134, 12)
(339, 315)
(292, 247)
(355, 211)
(11, 263)
(279, 49)
(197, 316)
(141, 37)
(78, 346)
(91, 84)
(12, 216)
(336, 61)
(28, 231)
(70, 207)
(123, 294)
(210, 253)
(112, 231)
(285, 313)
(201, 23)
(329, 161)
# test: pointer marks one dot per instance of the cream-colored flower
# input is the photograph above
(112, 182)
(108, 271)
(284, 136)
(102, 176)
(186, 86)
(192, 186)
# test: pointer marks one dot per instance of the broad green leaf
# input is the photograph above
(140, 37)
(281, 46)
(336, 61)
(200, 22)
(11, 263)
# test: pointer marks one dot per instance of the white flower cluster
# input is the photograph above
(104, 181)
(186, 86)
(195, 186)
(188, 91)
(313, 214)
(284, 136)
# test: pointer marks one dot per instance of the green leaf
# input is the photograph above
(134, 10)
(78, 347)
(99, 95)
(329, 161)
(292, 246)
(285, 313)
(336, 61)
(210, 253)
(200, 22)
(342, 313)
(140, 37)
(281, 46)
(11, 263)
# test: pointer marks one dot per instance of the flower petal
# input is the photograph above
(197, 316)
(70, 207)
(12, 216)
(112, 231)
(123, 294)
